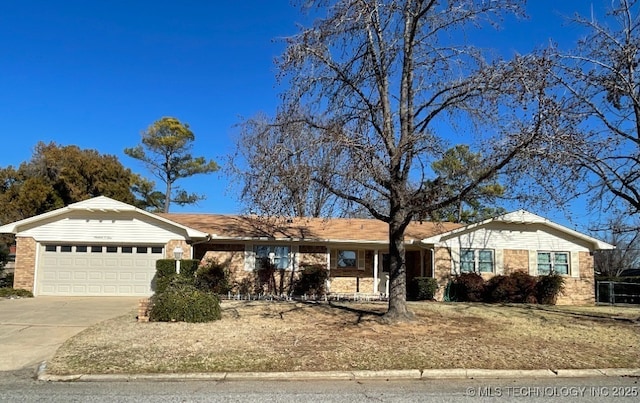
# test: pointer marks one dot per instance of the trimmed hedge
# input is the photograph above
(181, 301)
(468, 287)
(166, 271)
(517, 287)
(422, 288)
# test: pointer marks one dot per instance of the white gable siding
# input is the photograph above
(102, 203)
(87, 227)
(516, 237)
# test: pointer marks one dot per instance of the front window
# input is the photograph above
(347, 259)
(278, 256)
(553, 262)
(476, 261)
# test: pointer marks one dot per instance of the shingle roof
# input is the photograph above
(309, 229)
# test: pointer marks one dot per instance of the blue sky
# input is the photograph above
(97, 73)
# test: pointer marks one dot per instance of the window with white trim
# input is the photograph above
(278, 256)
(476, 261)
(553, 262)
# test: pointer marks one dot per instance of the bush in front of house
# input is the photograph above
(166, 272)
(468, 287)
(8, 292)
(213, 276)
(312, 281)
(548, 288)
(181, 301)
(422, 289)
(6, 281)
(517, 287)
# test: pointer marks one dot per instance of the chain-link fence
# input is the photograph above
(613, 292)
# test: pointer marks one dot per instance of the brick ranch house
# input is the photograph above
(103, 247)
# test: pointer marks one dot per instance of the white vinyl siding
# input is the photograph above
(515, 237)
(97, 228)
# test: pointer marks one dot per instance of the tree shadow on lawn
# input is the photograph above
(361, 313)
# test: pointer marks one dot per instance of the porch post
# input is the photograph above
(422, 262)
(328, 254)
(375, 271)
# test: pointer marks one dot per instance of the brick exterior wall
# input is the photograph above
(25, 263)
(354, 280)
(342, 280)
(171, 245)
(442, 270)
(515, 260)
(580, 291)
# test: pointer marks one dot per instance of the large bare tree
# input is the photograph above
(599, 90)
(380, 89)
(273, 161)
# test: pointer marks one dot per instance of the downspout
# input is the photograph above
(206, 240)
(433, 261)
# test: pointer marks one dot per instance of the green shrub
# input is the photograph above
(189, 267)
(6, 281)
(548, 288)
(312, 280)
(166, 272)
(518, 287)
(422, 288)
(468, 287)
(213, 277)
(15, 292)
(181, 301)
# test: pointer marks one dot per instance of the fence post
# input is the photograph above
(612, 297)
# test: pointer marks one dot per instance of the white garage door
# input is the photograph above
(105, 270)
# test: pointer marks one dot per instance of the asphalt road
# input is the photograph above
(20, 387)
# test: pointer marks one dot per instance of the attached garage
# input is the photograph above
(98, 247)
(97, 270)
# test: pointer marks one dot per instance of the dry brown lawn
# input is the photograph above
(289, 336)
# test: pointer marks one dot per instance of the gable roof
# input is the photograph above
(97, 204)
(346, 230)
(520, 217)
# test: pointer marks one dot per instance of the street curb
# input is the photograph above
(409, 374)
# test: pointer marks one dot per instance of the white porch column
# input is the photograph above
(375, 271)
(328, 270)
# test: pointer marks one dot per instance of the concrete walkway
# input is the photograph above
(32, 329)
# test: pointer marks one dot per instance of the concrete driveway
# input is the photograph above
(32, 329)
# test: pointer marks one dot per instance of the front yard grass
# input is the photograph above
(294, 336)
